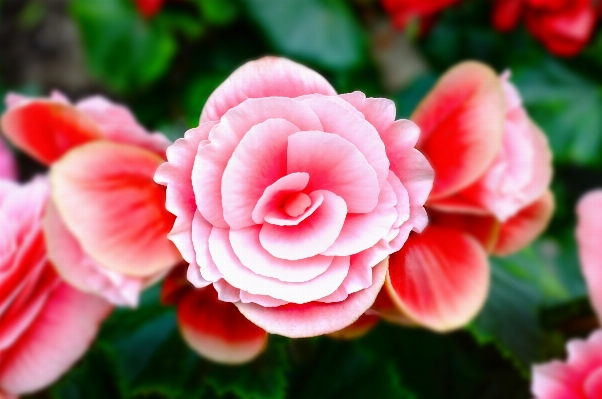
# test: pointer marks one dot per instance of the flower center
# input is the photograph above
(296, 204)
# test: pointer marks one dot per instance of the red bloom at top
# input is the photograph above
(564, 27)
(149, 8)
(402, 11)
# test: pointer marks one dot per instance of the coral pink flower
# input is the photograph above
(403, 11)
(106, 224)
(45, 325)
(580, 377)
(493, 169)
(215, 329)
(563, 26)
(289, 198)
(8, 169)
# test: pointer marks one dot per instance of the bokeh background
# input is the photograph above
(165, 65)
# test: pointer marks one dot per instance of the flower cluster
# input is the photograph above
(563, 26)
(294, 210)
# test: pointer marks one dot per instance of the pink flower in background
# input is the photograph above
(289, 198)
(580, 376)
(105, 224)
(8, 169)
(492, 172)
(214, 329)
(45, 325)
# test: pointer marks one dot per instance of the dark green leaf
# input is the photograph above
(121, 48)
(323, 32)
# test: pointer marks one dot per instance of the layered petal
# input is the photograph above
(462, 122)
(440, 278)
(315, 318)
(105, 195)
(266, 77)
(46, 130)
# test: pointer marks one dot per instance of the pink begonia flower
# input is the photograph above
(8, 169)
(106, 223)
(492, 168)
(289, 198)
(45, 324)
(580, 376)
(214, 329)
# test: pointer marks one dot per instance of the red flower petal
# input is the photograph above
(440, 278)
(217, 330)
(462, 122)
(46, 130)
(520, 230)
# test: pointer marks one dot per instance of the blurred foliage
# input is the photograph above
(166, 67)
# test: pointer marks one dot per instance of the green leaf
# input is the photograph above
(349, 370)
(264, 378)
(323, 32)
(121, 48)
(197, 93)
(566, 106)
(218, 12)
(93, 378)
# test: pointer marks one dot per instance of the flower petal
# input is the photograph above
(310, 237)
(266, 77)
(276, 193)
(589, 234)
(176, 174)
(258, 161)
(46, 130)
(239, 276)
(213, 156)
(106, 196)
(336, 165)
(81, 271)
(57, 339)
(216, 329)
(358, 329)
(315, 318)
(521, 229)
(440, 278)
(246, 246)
(462, 122)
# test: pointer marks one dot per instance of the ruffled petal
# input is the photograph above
(46, 130)
(359, 132)
(440, 278)
(236, 274)
(462, 122)
(176, 174)
(380, 112)
(213, 156)
(315, 318)
(248, 249)
(258, 161)
(106, 197)
(310, 237)
(363, 230)
(266, 77)
(521, 229)
(358, 329)
(336, 165)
